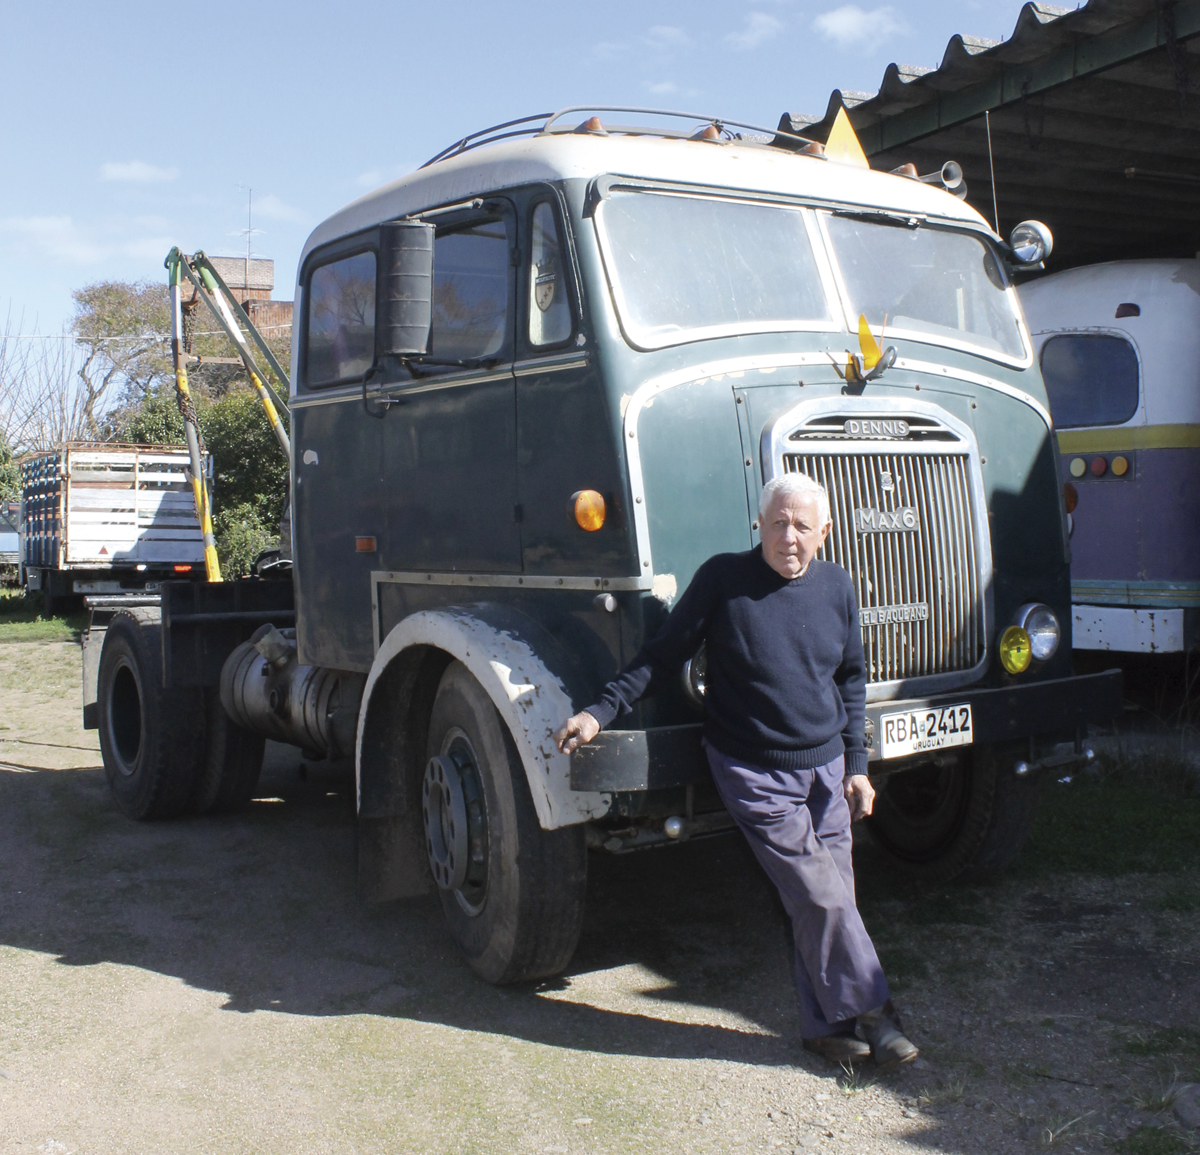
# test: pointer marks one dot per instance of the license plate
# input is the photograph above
(916, 731)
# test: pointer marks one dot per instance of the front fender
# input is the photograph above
(501, 649)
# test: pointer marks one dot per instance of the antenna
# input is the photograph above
(987, 120)
(249, 231)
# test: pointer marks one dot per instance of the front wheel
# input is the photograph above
(512, 893)
(937, 822)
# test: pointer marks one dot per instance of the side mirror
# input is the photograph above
(404, 313)
(1031, 243)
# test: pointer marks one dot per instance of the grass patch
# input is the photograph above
(1148, 1140)
(1129, 818)
(22, 619)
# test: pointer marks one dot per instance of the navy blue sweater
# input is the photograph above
(786, 681)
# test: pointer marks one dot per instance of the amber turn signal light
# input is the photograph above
(364, 545)
(590, 510)
(1070, 497)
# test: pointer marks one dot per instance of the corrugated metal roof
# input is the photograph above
(1095, 124)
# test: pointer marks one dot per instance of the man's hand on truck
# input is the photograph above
(576, 731)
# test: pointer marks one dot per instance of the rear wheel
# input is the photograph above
(231, 764)
(512, 893)
(936, 822)
(149, 736)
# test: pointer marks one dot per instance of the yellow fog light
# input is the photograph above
(589, 509)
(1016, 652)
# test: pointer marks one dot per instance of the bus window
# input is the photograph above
(1091, 379)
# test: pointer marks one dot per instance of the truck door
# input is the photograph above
(337, 488)
(565, 440)
(450, 427)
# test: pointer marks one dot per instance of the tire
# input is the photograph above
(935, 823)
(231, 764)
(517, 913)
(149, 736)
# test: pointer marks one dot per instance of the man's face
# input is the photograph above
(791, 533)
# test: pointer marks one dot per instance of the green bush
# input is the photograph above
(154, 421)
(249, 467)
(242, 534)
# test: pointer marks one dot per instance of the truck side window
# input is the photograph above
(1091, 379)
(470, 291)
(549, 306)
(341, 320)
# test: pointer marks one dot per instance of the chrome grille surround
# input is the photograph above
(929, 589)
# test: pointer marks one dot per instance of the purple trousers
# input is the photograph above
(798, 825)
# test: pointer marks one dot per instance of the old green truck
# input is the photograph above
(534, 385)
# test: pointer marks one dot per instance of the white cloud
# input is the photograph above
(137, 172)
(760, 26)
(609, 50)
(374, 177)
(269, 206)
(850, 27)
(662, 87)
(667, 36)
(60, 239)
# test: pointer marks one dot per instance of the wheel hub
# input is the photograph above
(444, 810)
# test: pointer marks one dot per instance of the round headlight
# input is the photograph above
(1041, 624)
(1015, 650)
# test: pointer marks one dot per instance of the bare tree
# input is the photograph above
(123, 331)
(42, 401)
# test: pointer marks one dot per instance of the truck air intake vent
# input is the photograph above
(904, 528)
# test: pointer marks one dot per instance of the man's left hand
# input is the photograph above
(860, 795)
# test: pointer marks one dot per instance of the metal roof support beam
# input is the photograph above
(1015, 82)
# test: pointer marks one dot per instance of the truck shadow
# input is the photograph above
(685, 952)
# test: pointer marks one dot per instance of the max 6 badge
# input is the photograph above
(916, 731)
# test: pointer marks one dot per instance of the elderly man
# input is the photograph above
(783, 732)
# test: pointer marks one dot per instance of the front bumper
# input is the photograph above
(669, 756)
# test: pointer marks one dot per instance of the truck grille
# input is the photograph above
(911, 549)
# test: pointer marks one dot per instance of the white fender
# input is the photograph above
(532, 701)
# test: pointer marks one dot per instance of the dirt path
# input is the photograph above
(214, 985)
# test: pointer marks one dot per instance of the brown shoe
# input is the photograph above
(880, 1029)
(839, 1048)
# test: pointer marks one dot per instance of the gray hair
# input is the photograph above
(795, 485)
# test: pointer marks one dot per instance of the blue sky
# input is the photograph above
(129, 127)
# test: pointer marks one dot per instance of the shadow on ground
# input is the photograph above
(1016, 987)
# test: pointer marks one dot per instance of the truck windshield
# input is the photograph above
(929, 282)
(686, 267)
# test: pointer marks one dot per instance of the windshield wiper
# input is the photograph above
(882, 217)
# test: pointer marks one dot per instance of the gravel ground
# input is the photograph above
(213, 985)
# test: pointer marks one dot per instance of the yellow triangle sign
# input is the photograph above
(842, 144)
(871, 352)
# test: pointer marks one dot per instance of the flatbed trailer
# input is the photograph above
(105, 519)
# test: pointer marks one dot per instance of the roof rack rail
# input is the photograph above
(543, 123)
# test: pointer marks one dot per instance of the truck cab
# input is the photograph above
(535, 385)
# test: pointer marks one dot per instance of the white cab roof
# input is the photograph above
(563, 156)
